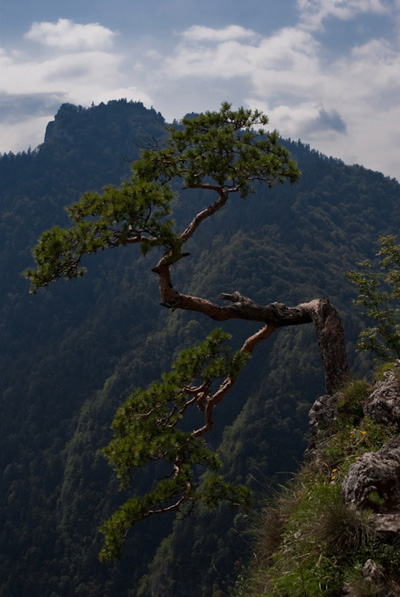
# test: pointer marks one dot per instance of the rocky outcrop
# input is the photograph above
(373, 573)
(322, 414)
(373, 481)
(321, 419)
(383, 404)
(388, 523)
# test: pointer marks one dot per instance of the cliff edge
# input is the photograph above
(335, 529)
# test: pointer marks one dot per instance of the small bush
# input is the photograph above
(350, 405)
(343, 529)
(381, 370)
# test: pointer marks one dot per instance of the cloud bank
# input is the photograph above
(343, 103)
(67, 35)
(315, 12)
(65, 62)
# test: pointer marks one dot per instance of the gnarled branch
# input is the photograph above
(275, 315)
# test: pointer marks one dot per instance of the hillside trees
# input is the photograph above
(221, 153)
(379, 294)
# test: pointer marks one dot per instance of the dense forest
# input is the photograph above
(72, 353)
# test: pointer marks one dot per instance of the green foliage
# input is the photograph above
(349, 406)
(115, 217)
(217, 150)
(222, 149)
(217, 490)
(317, 545)
(147, 430)
(342, 528)
(383, 367)
(349, 442)
(375, 498)
(319, 537)
(379, 294)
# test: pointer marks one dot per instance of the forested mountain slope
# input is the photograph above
(72, 353)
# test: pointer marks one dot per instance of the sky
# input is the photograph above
(324, 71)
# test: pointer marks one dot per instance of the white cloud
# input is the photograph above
(84, 70)
(200, 33)
(306, 119)
(290, 50)
(130, 93)
(340, 105)
(369, 76)
(19, 136)
(70, 36)
(71, 73)
(314, 12)
(346, 106)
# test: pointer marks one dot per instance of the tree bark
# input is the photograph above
(331, 342)
(320, 312)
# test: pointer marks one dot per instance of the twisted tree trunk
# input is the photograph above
(321, 313)
(275, 315)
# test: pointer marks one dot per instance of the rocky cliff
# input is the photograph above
(335, 530)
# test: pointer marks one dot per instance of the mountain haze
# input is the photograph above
(71, 354)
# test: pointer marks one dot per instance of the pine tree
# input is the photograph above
(223, 153)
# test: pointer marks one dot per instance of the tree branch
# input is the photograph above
(212, 401)
(276, 315)
(206, 213)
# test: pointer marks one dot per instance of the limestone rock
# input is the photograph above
(374, 480)
(321, 417)
(383, 404)
(323, 413)
(387, 523)
(373, 573)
